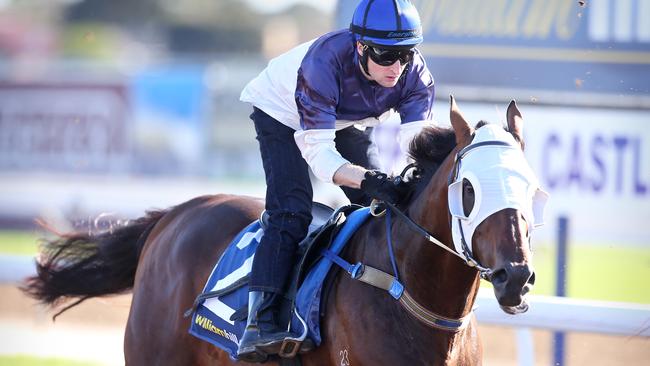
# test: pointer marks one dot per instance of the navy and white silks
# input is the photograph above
(318, 88)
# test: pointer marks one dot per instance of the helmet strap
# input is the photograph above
(364, 58)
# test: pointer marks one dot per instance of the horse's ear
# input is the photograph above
(461, 127)
(515, 122)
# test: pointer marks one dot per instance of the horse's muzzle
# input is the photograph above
(511, 284)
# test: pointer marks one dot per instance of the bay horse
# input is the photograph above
(165, 258)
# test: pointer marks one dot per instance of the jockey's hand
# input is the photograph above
(380, 186)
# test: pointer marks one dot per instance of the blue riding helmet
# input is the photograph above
(388, 23)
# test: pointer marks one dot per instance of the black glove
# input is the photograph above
(378, 185)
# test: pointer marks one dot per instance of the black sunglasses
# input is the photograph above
(387, 57)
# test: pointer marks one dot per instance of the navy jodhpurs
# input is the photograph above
(289, 194)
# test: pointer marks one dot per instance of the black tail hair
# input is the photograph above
(85, 265)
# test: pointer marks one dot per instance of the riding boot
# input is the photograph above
(262, 336)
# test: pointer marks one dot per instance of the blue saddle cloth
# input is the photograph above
(211, 321)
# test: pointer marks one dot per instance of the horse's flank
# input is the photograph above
(173, 268)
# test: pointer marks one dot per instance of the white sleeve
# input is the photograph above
(319, 151)
(407, 132)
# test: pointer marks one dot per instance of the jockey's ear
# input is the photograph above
(359, 48)
(462, 129)
(515, 123)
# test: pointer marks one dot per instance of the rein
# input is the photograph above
(390, 283)
(396, 288)
(380, 279)
(484, 272)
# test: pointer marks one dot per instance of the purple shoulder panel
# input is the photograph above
(331, 86)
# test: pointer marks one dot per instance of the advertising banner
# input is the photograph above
(64, 127)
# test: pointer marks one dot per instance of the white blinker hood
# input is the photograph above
(501, 178)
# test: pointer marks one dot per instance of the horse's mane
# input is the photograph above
(428, 150)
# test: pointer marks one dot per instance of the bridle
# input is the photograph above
(391, 283)
(466, 254)
(484, 272)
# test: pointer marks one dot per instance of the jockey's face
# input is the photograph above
(386, 76)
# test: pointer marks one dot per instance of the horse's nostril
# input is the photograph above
(531, 280)
(499, 277)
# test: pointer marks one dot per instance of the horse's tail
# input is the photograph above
(85, 265)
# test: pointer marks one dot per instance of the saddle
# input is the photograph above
(324, 226)
(219, 313)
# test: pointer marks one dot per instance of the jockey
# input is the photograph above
(315, 107)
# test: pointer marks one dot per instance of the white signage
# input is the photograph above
(62, 127)
(594, 162)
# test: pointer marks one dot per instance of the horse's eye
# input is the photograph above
(468, 189)
(468, 197)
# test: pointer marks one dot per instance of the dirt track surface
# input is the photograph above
(94, 331)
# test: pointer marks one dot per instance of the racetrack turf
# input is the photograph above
(23, 360)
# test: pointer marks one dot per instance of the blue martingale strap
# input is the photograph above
(308, 298)
(377, 278)
(351, 269)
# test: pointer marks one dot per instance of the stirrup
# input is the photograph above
(290, 346)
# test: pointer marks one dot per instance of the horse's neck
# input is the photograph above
(435, 278)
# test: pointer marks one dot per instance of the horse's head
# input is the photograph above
(495, 202)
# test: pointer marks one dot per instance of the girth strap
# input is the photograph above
(380, 279)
